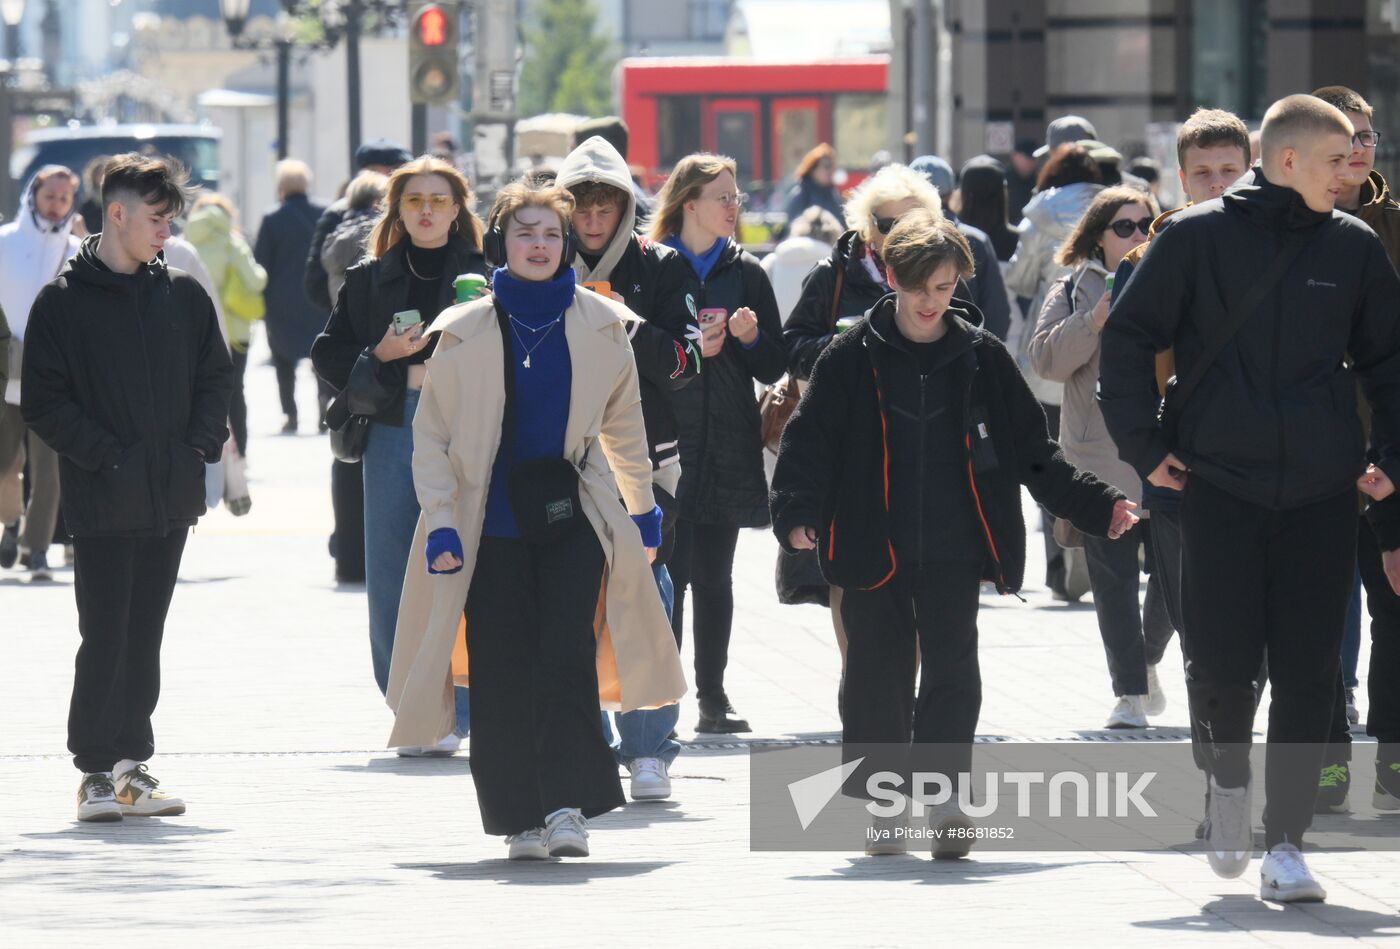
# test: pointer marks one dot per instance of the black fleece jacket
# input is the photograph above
(722, 480)
(126, 377)
(1275, 420)
(836, 463)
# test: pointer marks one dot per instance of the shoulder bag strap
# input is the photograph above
(1283, 259)
(836, 296)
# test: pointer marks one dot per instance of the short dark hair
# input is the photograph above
(1348, 100)
(922, 242)
(589, 194)
(1207, 128)
(161, 182)
(1069, 164)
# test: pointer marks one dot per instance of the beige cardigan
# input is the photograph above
(456, 433)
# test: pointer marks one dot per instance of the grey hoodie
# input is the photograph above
(597, 160)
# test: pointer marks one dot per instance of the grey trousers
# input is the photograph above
(41, 515)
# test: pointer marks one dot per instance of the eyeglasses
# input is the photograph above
(727, 200)
(885, 224)
(1125, 229)
(1367, 139)
(414, 201)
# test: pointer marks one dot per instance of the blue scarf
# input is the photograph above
(533, 302)
(702, 264)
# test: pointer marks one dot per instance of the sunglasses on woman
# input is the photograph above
(1125, 229)
(413, 201)
(885, 224)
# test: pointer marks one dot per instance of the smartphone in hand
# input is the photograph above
(405, 320)
(601, 287)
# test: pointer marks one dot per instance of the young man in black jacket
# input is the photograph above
(660, 288)
(126, 377)
(1273, 443)
(903, 467)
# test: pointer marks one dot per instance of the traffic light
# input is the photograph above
(432, 55)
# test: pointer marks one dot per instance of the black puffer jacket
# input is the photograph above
(375, 289)
(722, 480)
(811, 327)
(1275, 420)
(126, 377)
(834, 473)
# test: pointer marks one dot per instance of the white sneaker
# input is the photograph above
(1229, 830)
(887, 836)
(1353, 713)
(1128, 713)
(1156, 701)
(443, 749)
(139, 795)
(651, 780)
(1284, 877)
(950, 826)
(566, 834)
(97, 799)
(528, 846)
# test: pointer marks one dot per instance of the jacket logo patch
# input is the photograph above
(690, 305)
(1321, 283)
(636, 288)
(560, 510)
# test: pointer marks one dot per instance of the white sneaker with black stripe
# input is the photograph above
(139, 795)
(1285, 878)
(97, 800)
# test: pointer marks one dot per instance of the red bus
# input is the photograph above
(765, 115)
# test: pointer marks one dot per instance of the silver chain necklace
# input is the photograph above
(539, 342)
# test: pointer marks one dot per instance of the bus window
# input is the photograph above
(677, 128)
(796, 131)
(735, 137)
(858, 128)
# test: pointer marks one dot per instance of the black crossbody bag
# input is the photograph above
(1179, 390)
(544, 492)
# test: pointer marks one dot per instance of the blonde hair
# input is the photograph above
(213, 198)
(923, 241)
(388, 231)
(293, 176)
(1294, 119)
(689, 178)
(531, 193)
(891, 183)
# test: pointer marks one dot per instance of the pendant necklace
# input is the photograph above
(530, 349)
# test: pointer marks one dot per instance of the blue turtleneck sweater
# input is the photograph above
(541, 392)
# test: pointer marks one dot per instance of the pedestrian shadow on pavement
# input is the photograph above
(201, 581)
(919, 867)
(388, 763)
(538, 872)
(134, 830)
(1238, 911)
(639, 814)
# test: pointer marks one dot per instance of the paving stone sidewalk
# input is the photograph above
(302, 831)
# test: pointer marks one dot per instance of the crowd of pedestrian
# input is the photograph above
(551, 424)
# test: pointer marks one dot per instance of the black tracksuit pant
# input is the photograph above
(937, 612)
(123, 587)
(238, 405)
(1255, 579)
(348, 504)
(1383, 709)
(703, 561)
(536, 739)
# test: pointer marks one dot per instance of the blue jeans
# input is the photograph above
(1351, 637)
(391, 517)
(646, 733)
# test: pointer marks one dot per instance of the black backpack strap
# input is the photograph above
(1283, 259)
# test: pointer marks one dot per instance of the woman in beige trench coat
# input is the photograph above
(551, 629)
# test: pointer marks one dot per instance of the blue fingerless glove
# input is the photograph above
(444, 540)
(650, 526)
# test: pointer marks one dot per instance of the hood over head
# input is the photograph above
(29, 214)
(597, 161)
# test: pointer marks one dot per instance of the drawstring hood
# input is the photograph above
(597, 161)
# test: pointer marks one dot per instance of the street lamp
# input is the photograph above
(235, 14)
(12, 12)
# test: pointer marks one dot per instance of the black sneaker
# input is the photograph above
(9, 546)
(1332, 788)
(1387, 793)
(717, 717)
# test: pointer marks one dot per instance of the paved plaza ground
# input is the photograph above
(303, 831)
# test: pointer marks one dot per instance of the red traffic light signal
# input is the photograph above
(431, 26)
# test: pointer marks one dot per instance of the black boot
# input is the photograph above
(717, 717)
